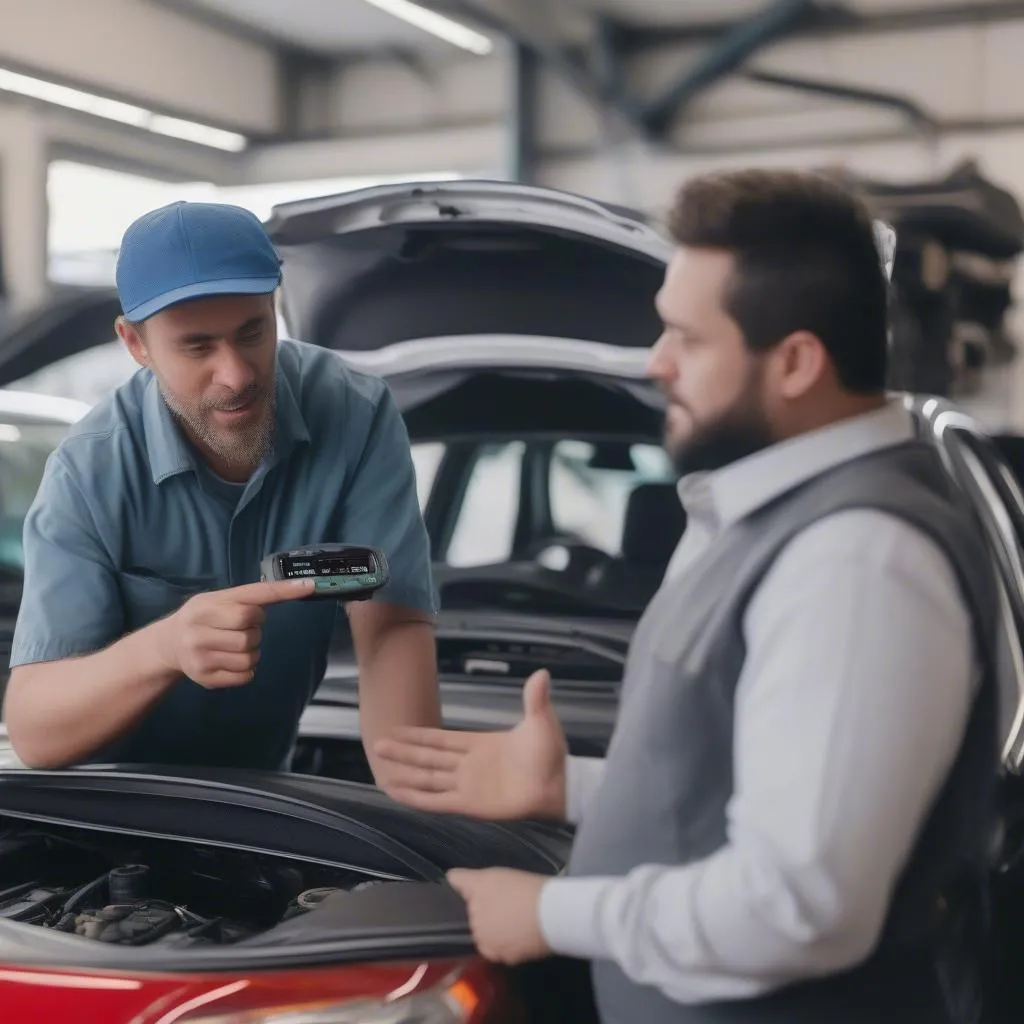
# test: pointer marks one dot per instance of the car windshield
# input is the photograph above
(24, 448)
(587, 500)
(584, 485)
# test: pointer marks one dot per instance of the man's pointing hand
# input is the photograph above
(214, 638)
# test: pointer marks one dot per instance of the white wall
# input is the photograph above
(377, 97)
(472, 149)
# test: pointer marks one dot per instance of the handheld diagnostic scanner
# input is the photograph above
(343, 572)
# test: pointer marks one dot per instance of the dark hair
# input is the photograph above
(806, 259)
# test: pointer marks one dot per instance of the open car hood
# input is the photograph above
(242, 821)
(383, 266)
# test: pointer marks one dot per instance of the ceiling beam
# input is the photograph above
(829, 19)
(724, 56)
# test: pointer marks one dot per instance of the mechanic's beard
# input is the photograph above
(742, 430)
(240, 451)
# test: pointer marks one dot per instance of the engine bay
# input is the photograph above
(131, 891)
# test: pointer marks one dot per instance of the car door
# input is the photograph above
(978, 466)
(975, 460)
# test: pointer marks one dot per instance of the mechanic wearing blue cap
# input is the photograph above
(144, 633)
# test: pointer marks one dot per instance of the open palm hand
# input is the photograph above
(517, 773)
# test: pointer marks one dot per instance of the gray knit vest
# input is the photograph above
(668, 776)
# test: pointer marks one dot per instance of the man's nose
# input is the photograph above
(232, 371)
(659, 365)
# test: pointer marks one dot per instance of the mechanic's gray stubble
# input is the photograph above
(242, 450)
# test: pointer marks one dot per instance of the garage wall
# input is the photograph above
(374, 96)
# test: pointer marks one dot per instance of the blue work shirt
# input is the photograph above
(129, 522)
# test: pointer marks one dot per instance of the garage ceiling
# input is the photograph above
(333, 27)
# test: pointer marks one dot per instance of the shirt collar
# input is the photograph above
(170, 454)
(727, 495)
(166, 447)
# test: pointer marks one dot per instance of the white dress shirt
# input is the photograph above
(850, 709)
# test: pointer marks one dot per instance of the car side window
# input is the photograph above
(485, 528)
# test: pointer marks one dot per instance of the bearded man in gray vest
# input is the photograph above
(798, 792)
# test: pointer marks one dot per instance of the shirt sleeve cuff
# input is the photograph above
(568, 916)
(582, 775)
(54, 650)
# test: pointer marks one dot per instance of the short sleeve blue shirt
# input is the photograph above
(128, 523)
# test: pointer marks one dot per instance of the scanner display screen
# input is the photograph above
(355, 563)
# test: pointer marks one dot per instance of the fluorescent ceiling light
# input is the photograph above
(115, 110)
(445, 28)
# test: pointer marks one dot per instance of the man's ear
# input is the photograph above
(800, 363)
(133, 340)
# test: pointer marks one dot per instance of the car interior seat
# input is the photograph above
(652, 526)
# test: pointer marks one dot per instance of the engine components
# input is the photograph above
(127, 884)
(149, 892)
(128, 924)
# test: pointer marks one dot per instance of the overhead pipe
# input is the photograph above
(914, 112)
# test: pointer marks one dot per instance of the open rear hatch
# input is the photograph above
(381, 266)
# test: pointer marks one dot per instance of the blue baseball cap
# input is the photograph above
(193, 250)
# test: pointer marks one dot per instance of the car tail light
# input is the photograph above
(459, 996)
(432, 1008)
